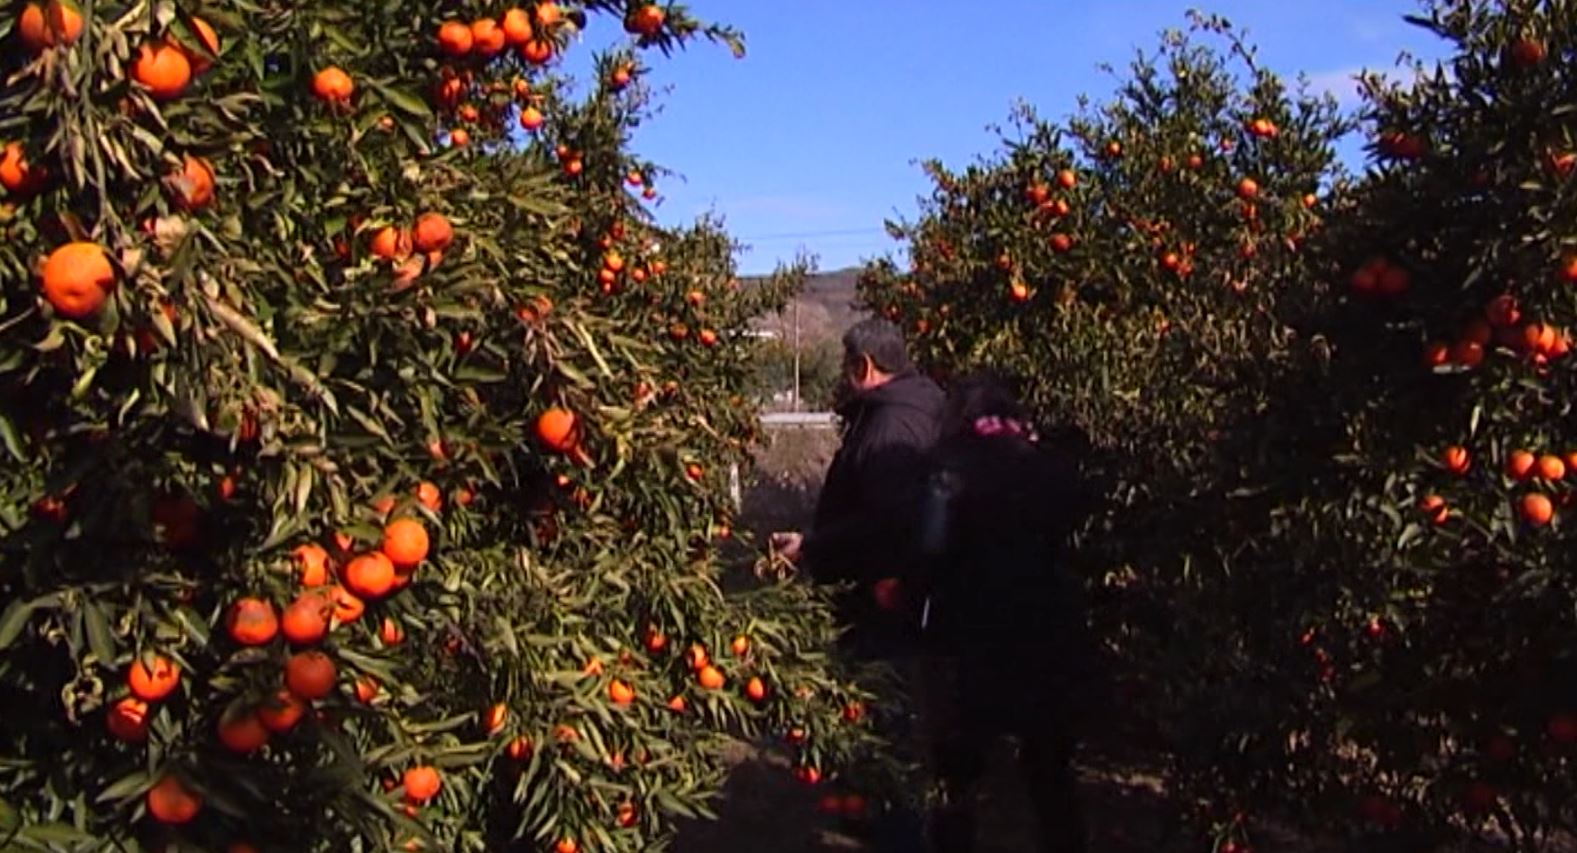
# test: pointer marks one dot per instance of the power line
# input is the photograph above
(801, 235)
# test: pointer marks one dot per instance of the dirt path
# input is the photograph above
(764, 810)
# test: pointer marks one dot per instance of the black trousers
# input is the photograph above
(965, 714)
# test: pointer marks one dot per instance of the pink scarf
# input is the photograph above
(990, 426)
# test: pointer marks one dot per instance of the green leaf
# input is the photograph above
(13, 620)
(126, 787)
(57, 833)
(10, 439)
(100, 640)
(403, 100)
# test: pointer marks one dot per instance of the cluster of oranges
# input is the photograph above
(77, 278)
(1501, 324)
(415, 250)
(309, 673)
(1522, 466)
(533, 34)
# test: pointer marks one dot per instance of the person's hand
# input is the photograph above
(788, 545)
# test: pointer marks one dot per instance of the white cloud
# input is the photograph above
(1341, 83)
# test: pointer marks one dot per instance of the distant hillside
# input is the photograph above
(826, 309)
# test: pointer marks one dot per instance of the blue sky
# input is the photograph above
(813, 138)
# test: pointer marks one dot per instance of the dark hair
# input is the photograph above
(978, 395)
(880, 340)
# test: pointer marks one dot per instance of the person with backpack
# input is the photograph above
(1007, 649)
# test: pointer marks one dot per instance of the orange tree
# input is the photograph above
(365, 471)
(1446, 625)
(1138, 268)
(1328, 574)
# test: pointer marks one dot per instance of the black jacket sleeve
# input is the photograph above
(874, 535)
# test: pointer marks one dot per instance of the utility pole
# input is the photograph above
(796, 353)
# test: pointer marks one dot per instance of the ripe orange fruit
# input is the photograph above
(487, 37)
(252, 622)
(1519, 464)
(1502, 311)
(1061, 242)
(566, 845)
(459, 137)
(310, 675)
(646, 21)
(202, 60)
(853, 712)
(281, 713)
(1527, 52)
(495, 718)
(422, 783)
(314, 564)
(433, 233)
(454, 39)
(520, 748)
(557, 429)
(1537, 509)
(620, 693)
(390, 243)
(755, 689)
(1551, 467)
(741, 645)
(391, 633)
(677, 703)
(366, 689)
(549, 14)
(171, 802)
(1479, 332)
(1248, 189)
(694, 471)
(127, 720)
(333, 85)
(1434, 507)
(531, 118)
(370, 576)
(307, 619)
(16, 174)
(516, 26)
(627, 815)
(242, 732)
(710, 677)
(696, 657)
(65, 22)
(33, 27)
(1455, 458)
(347, 607)
(152, 683)
(656, 641)
(1467, 353)
(537, 51)
(621, 78)
(405, 542)
(77, 279)
(707, 337)
(164, 69)
(428, 495)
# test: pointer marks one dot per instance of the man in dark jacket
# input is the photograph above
(865, 528)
